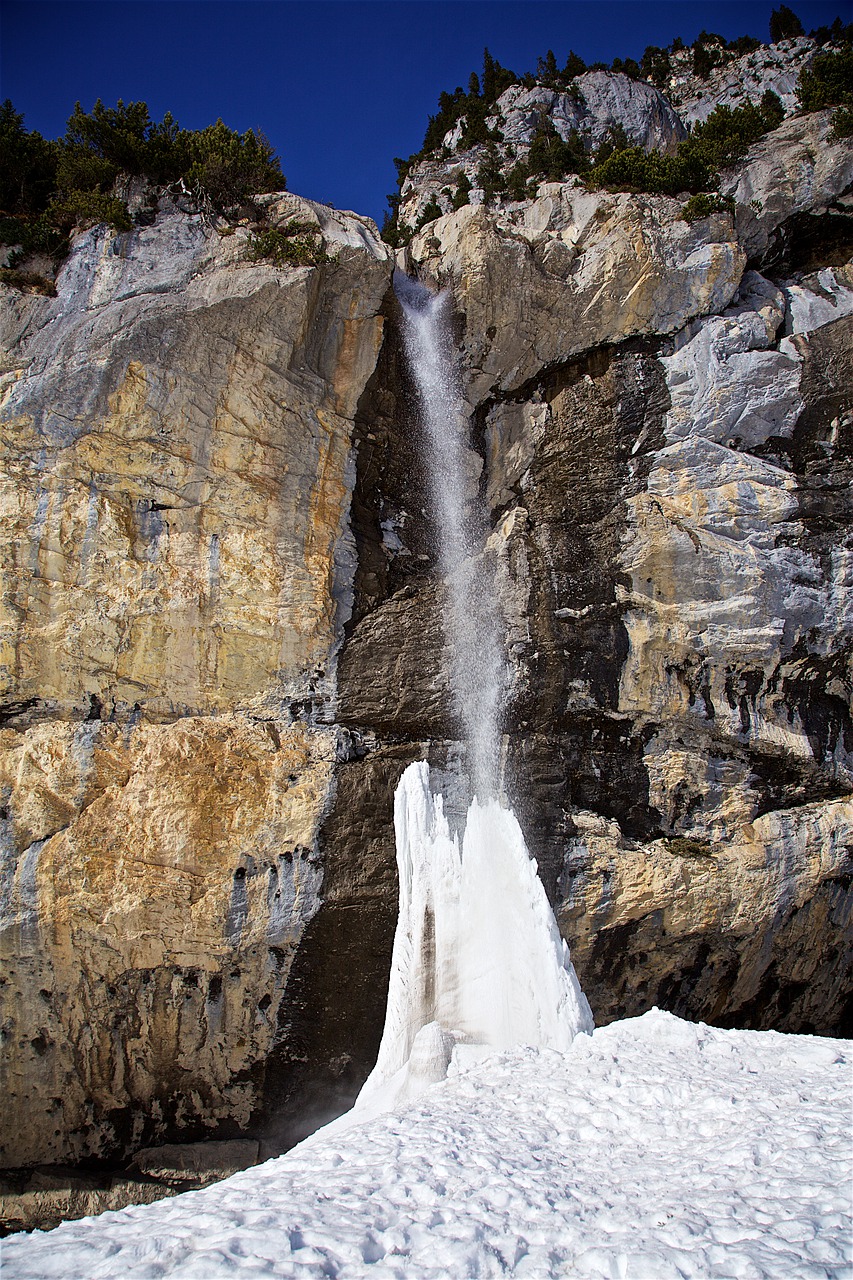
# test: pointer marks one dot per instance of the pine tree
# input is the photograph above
(784, 25)
(489, 77)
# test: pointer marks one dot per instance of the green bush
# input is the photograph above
(228, 166)
(552, 157)
(429, 213)
(27, 166)
(495, 78)
(231, 167)
(32, 235)
(729, 132)
(463, 191)
(633, 169)
(703, 204)
(616, 139)
(627, 67)
(575, 66)
(27, 282)
(842, 123)
(744, 44)
(704, 61)
(838, 33)
(686, 847)
(725, 136)
(828, 82)
(48, 188)
(296, 244)
(490, 175)
(87, 209)
(656, 65)
(100, 144)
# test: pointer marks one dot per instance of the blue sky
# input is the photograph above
(339, 86)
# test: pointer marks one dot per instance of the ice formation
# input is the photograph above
(478, 961)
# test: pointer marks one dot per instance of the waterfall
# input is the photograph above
(472, 624)
(478, 961)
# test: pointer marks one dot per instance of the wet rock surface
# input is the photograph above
(39, 1200)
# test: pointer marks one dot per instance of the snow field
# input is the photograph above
(654, 1148)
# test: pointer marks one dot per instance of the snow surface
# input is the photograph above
(653, 1148)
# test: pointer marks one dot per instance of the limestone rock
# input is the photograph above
(177, 475)
(600, 101)
(159, 881)
(49, 1200)
(724, 383)
(746, 929)
(178, 540)
(196, 1163)
(51, 1195)
(817, 299)
(773, 67)
(571, 271)
(796, 169)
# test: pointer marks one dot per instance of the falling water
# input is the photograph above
(472, 625)
(478, 960)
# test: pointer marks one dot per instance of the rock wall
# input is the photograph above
(221, 637)
(178, 569)
(667, 436)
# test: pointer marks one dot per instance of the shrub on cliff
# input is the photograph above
(296, 244)
(828, 82)
(729, 132)
(656, 65)
(86, 209)
(463, 191)
(724, 137)
(27, 166)
(784, 25)
(227, 166)
(231, 167)
(49, 188)
(633, 169)
(703, 204)
(51, 180)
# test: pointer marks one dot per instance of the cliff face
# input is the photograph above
(178, 562)
(221, 633)
(667, 440)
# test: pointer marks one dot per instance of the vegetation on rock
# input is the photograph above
(785, 25)
(49, 188)
(296, 244)
(714, 144)
(828, 82)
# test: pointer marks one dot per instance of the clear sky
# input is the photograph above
(339, 87)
